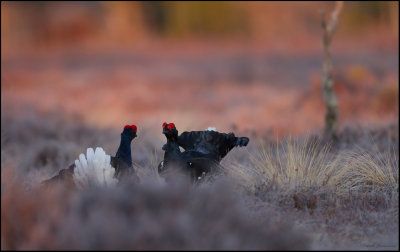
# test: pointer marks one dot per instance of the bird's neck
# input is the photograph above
(172, 139)
(172, 147)
(124, 150)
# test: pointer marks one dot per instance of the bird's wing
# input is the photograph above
(122, 170)
(211, 142)
(189, 139)
(64, 176)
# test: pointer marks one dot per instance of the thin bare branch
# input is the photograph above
(328, 93)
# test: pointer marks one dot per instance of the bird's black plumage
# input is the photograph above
(192, 163)
(122, 162)
(203, 149)
(211, 143)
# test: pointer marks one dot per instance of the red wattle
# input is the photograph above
(170, 126)
(133, 127)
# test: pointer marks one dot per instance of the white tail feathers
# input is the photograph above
(211, 129)
(94, 170)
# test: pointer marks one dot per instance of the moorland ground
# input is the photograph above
(295, 193)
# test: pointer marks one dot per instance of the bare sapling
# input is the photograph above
(328, 93)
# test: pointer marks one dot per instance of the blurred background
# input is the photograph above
(250, 67)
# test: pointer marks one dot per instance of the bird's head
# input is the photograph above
(130, 131)
(169, 130)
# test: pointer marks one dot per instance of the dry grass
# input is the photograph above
(291, 164)
(350, 191)
(364, 172)
(294, 164)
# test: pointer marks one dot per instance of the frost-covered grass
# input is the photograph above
(298, 193)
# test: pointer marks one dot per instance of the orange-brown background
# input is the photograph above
(245, 66)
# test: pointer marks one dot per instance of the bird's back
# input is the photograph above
(212, 143)
(64, 176)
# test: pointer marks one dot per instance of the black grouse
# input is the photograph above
(99, 167)
(203, 149)
(192, 163)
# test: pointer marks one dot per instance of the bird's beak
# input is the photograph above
(164, 131)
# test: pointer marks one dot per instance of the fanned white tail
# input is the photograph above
(94, 170)
(211, 129)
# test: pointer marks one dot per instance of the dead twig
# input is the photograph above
(329, 96)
